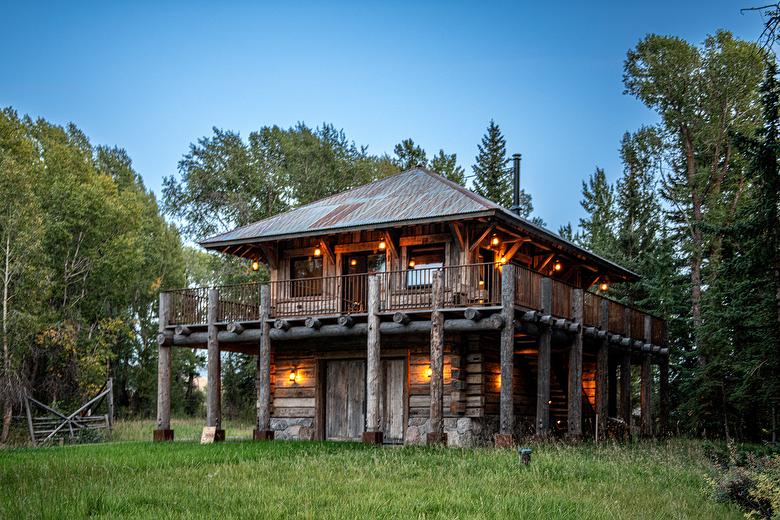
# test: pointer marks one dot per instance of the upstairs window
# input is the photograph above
(422, 261)
(306, 276)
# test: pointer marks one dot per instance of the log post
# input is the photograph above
(263, 429)
(214, 398)
(436, 435)
(373, 433)
(602, 372)
(663, 397)
(505, 438)
(575, 369)
(543, 365)
(163, 432)
(625, 377)
(646, 388)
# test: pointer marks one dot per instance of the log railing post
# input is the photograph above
(373, 433)
(575, 368)
(214, 397)
(543, 365)
(263, 429)
(602, 374)
(504, 437)
(163, 432)
(646, 386)
(625, 377)
(436, 435)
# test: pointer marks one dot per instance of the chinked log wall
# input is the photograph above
(470, 378)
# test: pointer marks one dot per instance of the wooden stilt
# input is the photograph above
(575, 369)
(214, 397)
(602, 373)
(163, 432)
(646, 388)
(507, 413)
(263, 429)
(663, 401)
(436, 435)
(543, 365)
(373, 433)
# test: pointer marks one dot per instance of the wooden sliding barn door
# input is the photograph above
(345, 400)
(392, 404)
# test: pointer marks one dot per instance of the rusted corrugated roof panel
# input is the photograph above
(410, 195)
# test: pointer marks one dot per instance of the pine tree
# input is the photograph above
(447, 166)
(408, 155)
(493, 177)
(598, 200)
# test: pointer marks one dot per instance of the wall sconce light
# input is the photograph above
(482, 283)
(604, 287)
(557, 266)
(317, 251)
(293, 376)
(255, 265)
(382, 245)
(412, 264)
(428, 372)
(494, 241)
(353, 262)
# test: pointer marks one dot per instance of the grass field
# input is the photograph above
(328, 480)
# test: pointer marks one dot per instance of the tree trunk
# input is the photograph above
(6, 349)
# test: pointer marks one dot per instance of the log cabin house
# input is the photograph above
(413, 311)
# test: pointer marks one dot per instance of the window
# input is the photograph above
(376, 263)
(421, 263)
(306, 276)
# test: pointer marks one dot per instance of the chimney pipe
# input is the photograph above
(516, 183)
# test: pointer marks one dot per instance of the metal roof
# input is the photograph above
(412, 196)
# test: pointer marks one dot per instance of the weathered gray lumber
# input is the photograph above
(213, 402)
(373, 358)
(602, 369)
(663, 391)
(312, 323)
(346, 321)
(646, 382)
(625, 389)
(437, 358)
(110, 403)
(183, 330)
(507, 412)
(235, 327)
(264, 364)
(401, 317)
(472, 314)
(575, 369)
(280, 324)
(164, 368)
(543, 365)
(29, 419)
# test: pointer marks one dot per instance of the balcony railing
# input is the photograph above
(406, 290)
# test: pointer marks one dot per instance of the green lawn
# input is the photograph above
(328, 480)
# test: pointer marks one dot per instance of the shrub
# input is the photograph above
(749, 480)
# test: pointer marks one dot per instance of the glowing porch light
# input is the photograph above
(293, 376)
(412, 264)
(604, 287)
(428, 372)
(494, 241)
(255, 265)
(382, 245)
(317, 251)
(557, 266)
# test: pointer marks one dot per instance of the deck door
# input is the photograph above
(392, 413)
(345, 400)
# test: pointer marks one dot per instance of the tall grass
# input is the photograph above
(330, 480)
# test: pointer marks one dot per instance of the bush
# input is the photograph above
(750, 480)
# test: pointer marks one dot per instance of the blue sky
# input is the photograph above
(152, 77)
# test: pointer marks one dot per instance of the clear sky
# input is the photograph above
(152, 77)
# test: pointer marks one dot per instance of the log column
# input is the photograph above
(263, 429)
(163, 432)
(214, 381)
(436, 435)
(646, 388)
(543, 365)
(625, 379)
(373, 433)
(504, 437)
(663, 391)
(602, 374)
(574, 419)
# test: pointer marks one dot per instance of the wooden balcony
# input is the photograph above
(410, 291)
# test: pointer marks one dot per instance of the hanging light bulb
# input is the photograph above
(604, 287)
(412, 264)
(293, 376)
(353, 262)
(495, 240)
(503, 260)
(382, 245)
(557, 266)
(317, 251)
(255, 265)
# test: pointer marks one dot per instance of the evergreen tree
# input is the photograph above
(447, 166)
(408, 155)
(493, 177)
(598, 200)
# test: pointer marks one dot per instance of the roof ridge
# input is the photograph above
(489, 204)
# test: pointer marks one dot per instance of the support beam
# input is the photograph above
(543, 375)
(214, 383)
(602, 373)
(373, 432)
(263, 429)
(663, 396)
(625, 391)
(646, 388)
(163, 432)
(507, 412)
(436, 434)
(575, 368)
